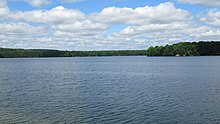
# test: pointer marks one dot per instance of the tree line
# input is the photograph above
(179, 49)
(186, 49)
(30, 53)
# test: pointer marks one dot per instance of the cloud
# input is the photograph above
(203, 33)
(4, 11)
(38, 3)
(19, 29)
(82, 26)
(3, 3)
(212, 18)
(114, 15)
(150, 28)
(63, 28)
(202, 2)
(19, 35)
(58, 14)
(163, 13)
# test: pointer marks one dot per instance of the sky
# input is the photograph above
(106, 24)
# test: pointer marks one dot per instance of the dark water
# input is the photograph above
(110, 90)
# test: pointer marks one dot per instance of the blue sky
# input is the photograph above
(90, 6)
(106, 24)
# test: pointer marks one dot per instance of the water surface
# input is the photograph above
(101, 90)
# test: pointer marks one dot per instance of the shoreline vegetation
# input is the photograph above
(186, 49)
(40, 53)
(179, 49)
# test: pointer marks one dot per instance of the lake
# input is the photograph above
(103, 90)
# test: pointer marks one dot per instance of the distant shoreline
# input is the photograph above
(176, 50)
(111, 56)
(186, 49)
(42, 53)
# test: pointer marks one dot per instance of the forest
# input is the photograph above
(179, 49)
(186, 49)
(31, 53)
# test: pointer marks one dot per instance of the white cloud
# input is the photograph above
(38, 3)
(144, 29)
(56, 15)
(202, 2)
(3, 3)
(62, 28)
(113, 15)
(19, 29)
(19, 35)
(79, 26)
(212, 18)
(163, 13)
(4, 11)
(207, 34)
